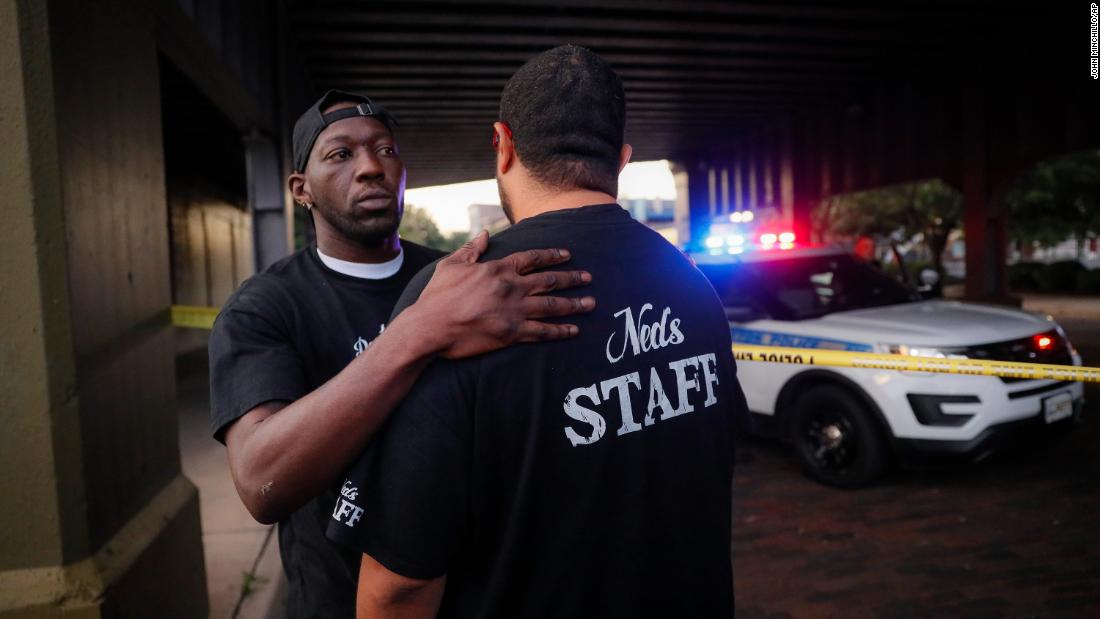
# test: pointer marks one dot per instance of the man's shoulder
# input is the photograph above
(420, 255)
(629, 235)
(275, 284)
(524, 236)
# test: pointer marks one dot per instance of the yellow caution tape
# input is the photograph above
(194, 316)
(198, 317)
(872, 361)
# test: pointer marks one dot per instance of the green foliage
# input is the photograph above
(1025, 276)
(249, 580)
(1061, 276)
(929, 208)
(419, 227)
(1058, 199)
(1088, 282)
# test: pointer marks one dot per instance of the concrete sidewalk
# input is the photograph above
(244, 575)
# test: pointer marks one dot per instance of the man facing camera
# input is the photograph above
(583, 478)
(304, 362)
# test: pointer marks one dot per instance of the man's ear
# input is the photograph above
(506, 149)
(624, 156)
(296, 182)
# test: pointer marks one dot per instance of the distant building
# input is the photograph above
(654, 212)
(650, 210)
(1086, 251)
(487, 217)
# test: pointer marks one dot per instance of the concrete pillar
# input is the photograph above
(682, 208)
(983, 217)
(852, 137)
(767, 154)
(786, 178)
(754, 196)
(39, 444)
(738, 184)
(266, 201)
(699, 199)
(97, 519)
(724, 190)
(831, 158)
(802, 166)
(712, 191)
(694, 178)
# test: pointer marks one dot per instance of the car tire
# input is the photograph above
(836, 438)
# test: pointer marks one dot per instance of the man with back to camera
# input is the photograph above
(582, 478)
(301, 371)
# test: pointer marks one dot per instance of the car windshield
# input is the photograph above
(805, 287)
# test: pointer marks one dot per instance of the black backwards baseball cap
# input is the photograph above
(313, 121)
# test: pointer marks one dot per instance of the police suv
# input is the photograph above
(847, 424)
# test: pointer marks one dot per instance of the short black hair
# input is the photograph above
(566, 110)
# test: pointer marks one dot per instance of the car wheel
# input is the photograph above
(837, 440)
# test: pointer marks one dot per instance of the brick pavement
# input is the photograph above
(1017, 535)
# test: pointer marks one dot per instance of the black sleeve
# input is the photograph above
(414, 289)
(405, 502)
(740, 422)
(251, 362)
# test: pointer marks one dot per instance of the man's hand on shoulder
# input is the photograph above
(479, 307)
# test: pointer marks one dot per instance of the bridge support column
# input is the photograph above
(983, 208)
(696, 201)
(265, 200)
(96, 519)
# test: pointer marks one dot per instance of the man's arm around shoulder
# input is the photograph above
(282, 454)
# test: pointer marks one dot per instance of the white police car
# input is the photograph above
(847, 424)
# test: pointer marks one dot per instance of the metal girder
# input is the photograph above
(515, 58)
(548, 18)
(698, 73)
(361, 40)
(387, 71)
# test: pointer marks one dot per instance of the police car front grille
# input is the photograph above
(1024, 351)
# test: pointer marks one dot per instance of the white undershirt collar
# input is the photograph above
(364, 270)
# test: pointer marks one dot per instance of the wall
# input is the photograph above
(211, 251)
(98, 520)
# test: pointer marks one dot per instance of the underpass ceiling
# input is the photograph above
(696, 72)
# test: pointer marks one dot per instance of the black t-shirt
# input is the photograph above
(584, 478)
(282, 334)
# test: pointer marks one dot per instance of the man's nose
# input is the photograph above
(368, 166)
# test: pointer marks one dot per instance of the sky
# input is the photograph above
(447, 203)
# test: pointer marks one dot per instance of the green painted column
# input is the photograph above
(96, 519)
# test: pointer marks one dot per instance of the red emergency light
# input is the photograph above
(769, 240)
(1043, 342)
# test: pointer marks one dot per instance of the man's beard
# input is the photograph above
(369, 231)
(505, 203)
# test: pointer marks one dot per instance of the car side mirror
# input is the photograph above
(929, 277)
(930, 284)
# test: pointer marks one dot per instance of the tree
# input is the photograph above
(930, 209)
(1058, 199)
(419, 227)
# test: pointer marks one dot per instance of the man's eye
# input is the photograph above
(341, 154)
(388, 150)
